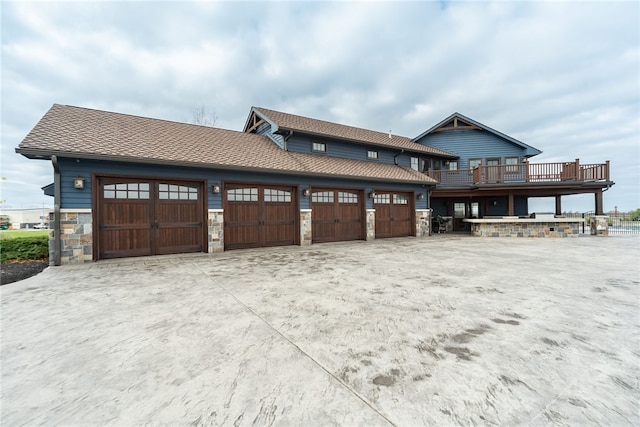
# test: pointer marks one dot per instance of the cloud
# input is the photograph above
(561, 76)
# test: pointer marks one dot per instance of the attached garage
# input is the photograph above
(337, 215)
(123, 189)
(395, 214)
(260, 215)
(139, 216)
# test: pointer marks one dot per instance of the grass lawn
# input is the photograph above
(12, 234)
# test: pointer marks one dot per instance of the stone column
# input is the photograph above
(599, 225)
(76, 236)
(423, 222)
(216, 231)
(371, 224)
(305, 227)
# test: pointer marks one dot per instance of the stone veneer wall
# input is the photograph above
(305, 227)
(423, 222)
(599, 225)
(526, 229)
(216, 230)
(371, 224)
(76, 237)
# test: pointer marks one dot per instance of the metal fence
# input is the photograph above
(619, 223)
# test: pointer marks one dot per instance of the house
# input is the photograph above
(493, 176)
(133, 186)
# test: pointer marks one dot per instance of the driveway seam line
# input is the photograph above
(304, 353)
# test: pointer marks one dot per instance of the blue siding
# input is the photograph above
(265, 129)
(473, 144)
(72, 198)
(302, 144)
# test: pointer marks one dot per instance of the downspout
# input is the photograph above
(57, 242)
(395, 158)
(286, 138)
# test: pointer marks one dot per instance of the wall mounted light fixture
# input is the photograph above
(420, 196)
(495, 203)
(372, 194)
(215, 188)
(306, 192)
(78, 182)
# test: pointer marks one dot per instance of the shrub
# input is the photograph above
(21, 248)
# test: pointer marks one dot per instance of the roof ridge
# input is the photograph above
(332, 123)
(96, 110)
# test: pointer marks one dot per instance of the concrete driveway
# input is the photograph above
(442, 331)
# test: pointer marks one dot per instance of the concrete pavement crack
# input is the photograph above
(304, 353)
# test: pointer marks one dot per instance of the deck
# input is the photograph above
(537, 173)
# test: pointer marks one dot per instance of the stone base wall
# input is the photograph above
(599, 225)
(216, 231)
(371, 224)
(76, 238)
(305, 227)
(423, 222)
(526, 229)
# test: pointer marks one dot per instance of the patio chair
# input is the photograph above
(442, 224)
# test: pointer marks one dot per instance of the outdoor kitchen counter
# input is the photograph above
(512, 226)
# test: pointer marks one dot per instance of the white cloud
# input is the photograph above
(561, 76)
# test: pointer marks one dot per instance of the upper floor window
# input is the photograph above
(372, 154)
(512, 164)
(415, 163)
(474, 162)
(453, 165)
(320, 147)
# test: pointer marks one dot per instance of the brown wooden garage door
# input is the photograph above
(337, 215)
(260, 215)
(394, 214)
(139, 217)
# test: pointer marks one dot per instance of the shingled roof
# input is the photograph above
(76, 132)
(286, 121)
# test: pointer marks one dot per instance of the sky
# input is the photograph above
(563, 77)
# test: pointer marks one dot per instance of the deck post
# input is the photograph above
(599, 209)
(510, 209)
(577, 172)
(526, 170)
(558, 205)
(607, 171)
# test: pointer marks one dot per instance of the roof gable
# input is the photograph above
(457, 121)
(284, 122)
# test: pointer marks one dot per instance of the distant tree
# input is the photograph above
(204, 116)
(635, 215)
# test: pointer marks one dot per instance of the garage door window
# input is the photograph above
(382, 199)
(347, 197)
(177, 192)
(272, 195)
(322, 197)
(242, 195)
(399, 199)
(129, 190)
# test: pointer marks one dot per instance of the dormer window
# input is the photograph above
(319, 147)
(415, 163)
(372, 155)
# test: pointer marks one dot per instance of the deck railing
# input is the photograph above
(523, 172)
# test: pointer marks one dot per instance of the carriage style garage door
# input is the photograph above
(260, 215)
(139, 217)
(394, 214)
(337, 215)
